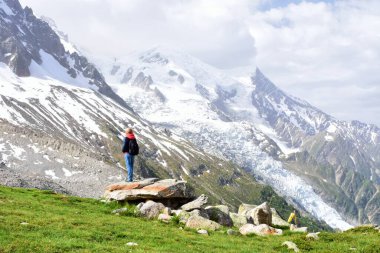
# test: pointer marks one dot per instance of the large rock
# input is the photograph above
(260, 230)
(261, 214)
(150, 209)
(298, 229)
(195, 204)
(200, 212)
(277, 220)
(170, 191)
(291, 246)
(245, 208)
(220, 214)
(238, 220)
(198, 222)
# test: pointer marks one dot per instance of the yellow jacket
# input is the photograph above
(291, 217)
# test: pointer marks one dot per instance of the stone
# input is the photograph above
(151, 209)
(198, 222)
(232, 232)
(291, 246)
(298, 229)
(200, 212)
(183, 217)
(167, 211)
(238, 220)
(223, 208)
(277, 220)
(312, 236)
(261, 230)
(245, 208)
(195, 204)
(131, 185)
(164, 190)
(164, 217)
(220, 215)
(120, 210)
(202, 232)
(261, 214)
(131, 244)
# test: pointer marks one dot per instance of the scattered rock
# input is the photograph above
(24, 223)
(198, 222)
(238, 220)
(260, 230)
(200, 212)
(195, 204)
(167, 211)
(151, 209)
(291, 245)
(312, 236)
(298, 229)
(164, 217)
(220, 215)
(232, 232)
(245, 208)
(131, 244)
(120, 210)
(261, 214)
(277, 220)
(202, 232)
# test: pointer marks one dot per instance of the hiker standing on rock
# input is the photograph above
(130, 150)
(293, 218)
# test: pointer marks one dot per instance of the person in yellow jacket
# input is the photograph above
(293, 218)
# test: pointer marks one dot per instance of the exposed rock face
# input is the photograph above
(261, 230)
(163, 190)
(151, 209)
(261, 214)
(198, 222)
(196, 204)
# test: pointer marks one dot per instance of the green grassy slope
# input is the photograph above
(58, 223)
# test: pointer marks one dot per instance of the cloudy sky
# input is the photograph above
(326, 52)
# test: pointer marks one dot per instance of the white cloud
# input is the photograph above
(327, 53)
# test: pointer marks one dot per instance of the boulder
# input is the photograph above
(298, 229)
(260, 230)
(223, 208)
(167, 211)
(164, 217)
(151, 209)
(198, 222)
(245, 208)
(238, 220)
(277, 220)
(195, 204)
(200, 212)
(312, 236)
(220, 215)
(120, 210)
(171, 191)
(261, 214)
(291, 246)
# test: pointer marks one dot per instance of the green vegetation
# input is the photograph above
(42, 221)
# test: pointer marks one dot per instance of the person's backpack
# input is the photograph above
(133, 148)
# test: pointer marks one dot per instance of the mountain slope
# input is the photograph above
(214, 111)
(61, 125)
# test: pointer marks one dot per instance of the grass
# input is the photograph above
(59, 223)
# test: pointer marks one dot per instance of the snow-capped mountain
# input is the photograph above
(61, 125)
(256, 125)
